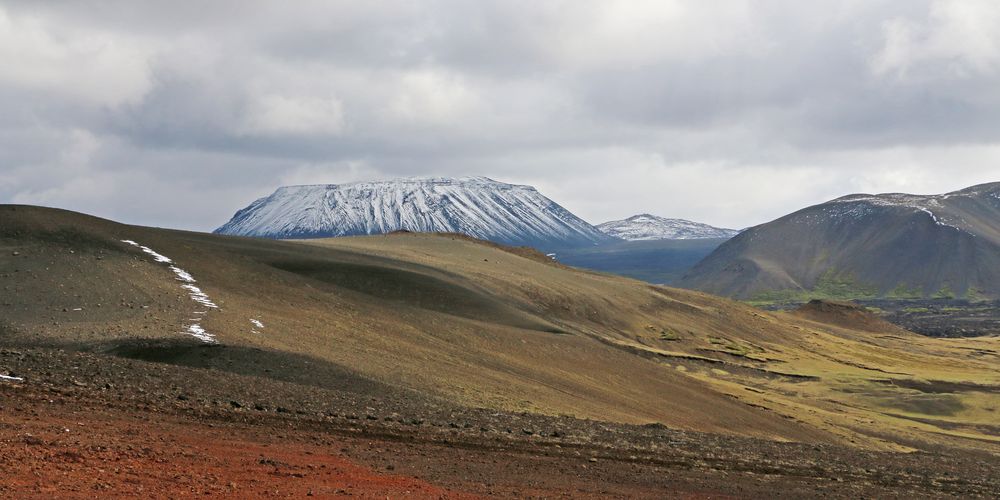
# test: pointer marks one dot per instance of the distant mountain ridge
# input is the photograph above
(476, 206)
(889, 245)
(646, 227)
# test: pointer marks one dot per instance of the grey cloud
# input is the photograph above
(731, 112)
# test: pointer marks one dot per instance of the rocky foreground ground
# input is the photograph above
(85, 424)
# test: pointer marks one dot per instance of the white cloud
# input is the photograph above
(957, 38)
(94, 66)
(731, 111)
(278, 114)
(432, 98)
(633, 33)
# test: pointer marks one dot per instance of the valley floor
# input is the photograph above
(150, 437)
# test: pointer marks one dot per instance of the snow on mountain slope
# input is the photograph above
(650, 227)
(475, 206)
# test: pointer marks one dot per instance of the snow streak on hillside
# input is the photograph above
(195, 329)
(865, 205)
(475, 206)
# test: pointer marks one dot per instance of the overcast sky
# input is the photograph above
(727, 112)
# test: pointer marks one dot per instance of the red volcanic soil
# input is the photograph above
(83, 426)
(47, 450)
(54, 446)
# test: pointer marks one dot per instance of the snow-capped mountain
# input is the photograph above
(645, 227)
(867, 245)
(475, 206)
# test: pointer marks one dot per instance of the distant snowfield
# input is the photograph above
(646, 227)
(857, 205)
(195, 329)
(475, 206)
(14, 379)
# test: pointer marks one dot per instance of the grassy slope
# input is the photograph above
(473, 323)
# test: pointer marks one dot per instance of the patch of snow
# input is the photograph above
(199, 333)
(645, 227)
(257, 323)
(157, 257)
(182, 275)
(861, 205)
(199, 296)
(14, 379)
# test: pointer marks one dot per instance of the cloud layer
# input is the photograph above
(728, 112)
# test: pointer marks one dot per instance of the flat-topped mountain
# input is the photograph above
(475, 206)
(866, 246)
(646, 227)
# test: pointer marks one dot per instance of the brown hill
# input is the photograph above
(847, 315)
(865, 246)
(456, 321)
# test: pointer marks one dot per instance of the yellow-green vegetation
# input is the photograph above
(905, 292)
(826, 377)
(832, 285)
(664, 332)
(731, 347)
(975, 295)
(843, 286)
(944, 293)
